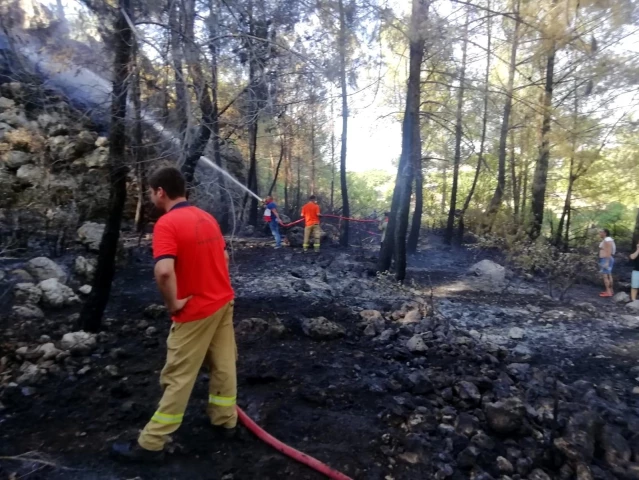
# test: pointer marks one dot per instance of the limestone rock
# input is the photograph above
(85, 289)
(516, 333)
(14, 159)
(505, 417)
(27, 312)
(99, 158)
(78, 342)
(56, 294)
(85, 267)
(621, 297)
(31, 175)
(258, 327)
(487, 276)
(90, 234)
(633, 306)
(43, 268)
(321, 328)
(47, 351)
(416, 344)
(27, 293)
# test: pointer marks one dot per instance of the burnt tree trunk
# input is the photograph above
(175, 41)
(394, 245)
(459, 133)
(498, 195)
(223, 198)
(346, 211)
(93, 309)
(140, 172)
(277, 168)
(484, 126)
(202, 92)
(541, 169)
(416, 222)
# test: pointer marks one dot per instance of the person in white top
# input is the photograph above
(607, 250)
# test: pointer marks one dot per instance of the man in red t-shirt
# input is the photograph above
(191, 270)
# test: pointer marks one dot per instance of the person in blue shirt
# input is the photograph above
(272, 217)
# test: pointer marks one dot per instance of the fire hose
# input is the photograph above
(289, 451)
(360, 220)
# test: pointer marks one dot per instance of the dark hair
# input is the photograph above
(171, 180)
(312, 197)
(387, 214)
(606, 231)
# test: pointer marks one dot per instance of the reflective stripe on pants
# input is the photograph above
(188, 346)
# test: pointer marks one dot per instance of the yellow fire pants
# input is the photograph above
(316, 232)
(188, 346)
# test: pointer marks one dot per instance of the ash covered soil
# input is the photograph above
(455, 375)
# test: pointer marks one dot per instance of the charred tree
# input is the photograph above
(394, 245)
(416, 222)
(541, 169)
(176, 16)
(346, 211)
(93, 309)
(498, 195)
(140, 172)
(459, 133)
(484, 125)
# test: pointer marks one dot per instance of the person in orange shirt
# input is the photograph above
(311, 214)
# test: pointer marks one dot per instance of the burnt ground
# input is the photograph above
(345, 401)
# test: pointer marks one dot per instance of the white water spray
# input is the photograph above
(170, 136)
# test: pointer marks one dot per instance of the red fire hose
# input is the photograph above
(290, 451)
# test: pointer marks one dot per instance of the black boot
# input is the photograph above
(132, 452)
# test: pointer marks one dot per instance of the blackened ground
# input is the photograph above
(318, 396)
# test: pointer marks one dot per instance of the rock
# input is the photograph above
(538, 474)
(373, 318)
(633, 306)
(248, 231)
(31, 175)
(85, 289)
(6, 104)
(43, 268)
(90, 235)
(84, 370)
(99, 158)
(518, 369)
(155, 311)
(504, 466)
(466, 424)
(85, 142)
(370, 331)
(578, 442)
(14, 159)
(258, 327)
(47, 351)
(149, 332)
(101, 142)
(321, 328)
(112, 370)
(27, 293)
(85, 267)
(295, 236)
(468, 391)
(629, 321)
(78, 342)
(487, 276)
(505, 416)
(420, 383)
(414, 316)
(522, 353)
(30, 373)
(516, 333)
(586, 307)
(621, 297)
(467, 458)
(416, 344)
(386, 335)
(27, 312)
(56, 295)
(616, 449)
(22, 276)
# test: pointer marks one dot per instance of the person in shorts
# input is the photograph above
(634, 281)
(607, 250)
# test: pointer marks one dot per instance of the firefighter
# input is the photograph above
(191, 271)
(311, 214)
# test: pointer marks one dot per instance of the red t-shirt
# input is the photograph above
(194, 239)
